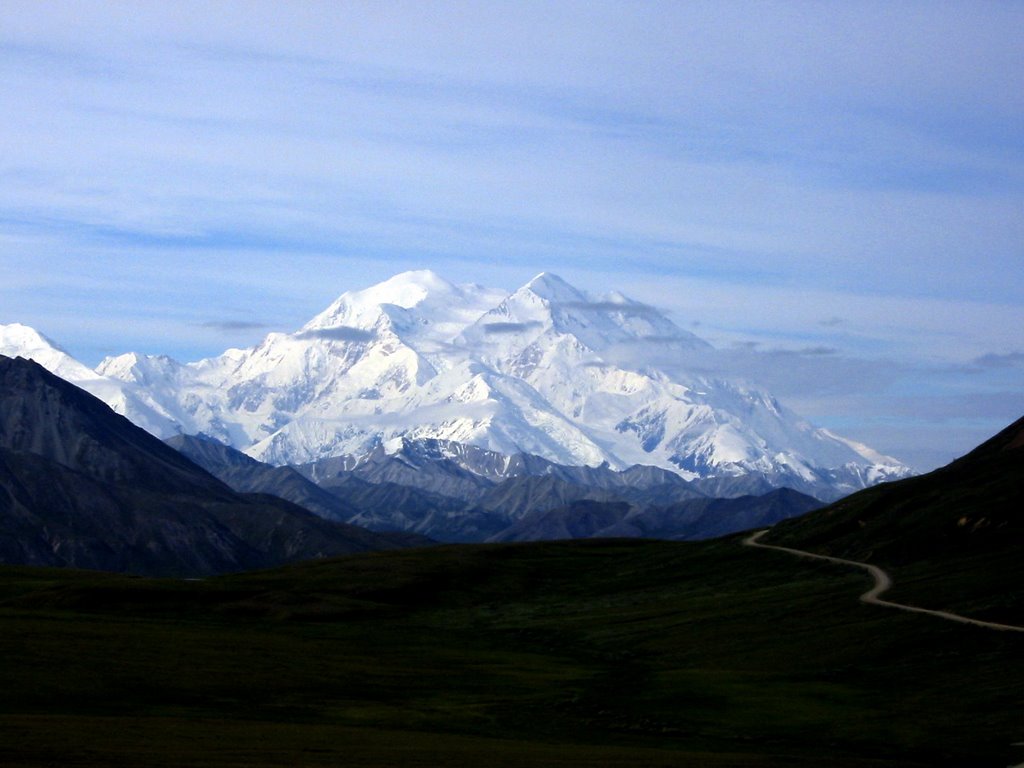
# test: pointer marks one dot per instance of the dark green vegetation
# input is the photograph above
(588, 653)
(951, 539)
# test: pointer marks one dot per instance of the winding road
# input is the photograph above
(882, 583)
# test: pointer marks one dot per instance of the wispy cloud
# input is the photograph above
(338, 333)
(653, 339)
(993, 360)
(814, 351)
(621, 307)
(508, 328)
(230, 326)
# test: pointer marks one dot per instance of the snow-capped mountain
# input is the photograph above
(546, 370)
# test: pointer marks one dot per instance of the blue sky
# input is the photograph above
(833, 194)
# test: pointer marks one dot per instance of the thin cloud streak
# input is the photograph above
(338, 333)
(993, 360)
(231, 326)
(501, 329)
(621, 307)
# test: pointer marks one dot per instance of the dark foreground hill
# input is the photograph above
(576, 653)
(81, 486)
(952, 539)
(569, 654)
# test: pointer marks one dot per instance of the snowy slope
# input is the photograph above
(546, 370)
(17, 340)
(122, 396)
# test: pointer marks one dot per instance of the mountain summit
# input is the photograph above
(547, 370)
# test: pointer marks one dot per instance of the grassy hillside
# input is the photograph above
(595, 653)
(952, 539)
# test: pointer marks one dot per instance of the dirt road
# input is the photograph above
(882, 583)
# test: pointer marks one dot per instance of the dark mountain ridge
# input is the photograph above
(247, 475)
(973, 503)
(422, 489)
(44, 415)
(689, 520)
(82, 486)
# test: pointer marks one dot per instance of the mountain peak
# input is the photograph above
(363, 308)
(552, 288)
(407, 289)
(138, 368)
(417, 304)
(17, 340)
(20, 335)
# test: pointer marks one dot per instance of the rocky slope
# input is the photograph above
(82, 486)
(417, 490)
